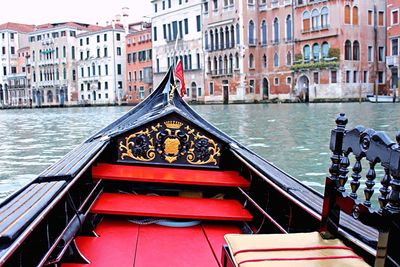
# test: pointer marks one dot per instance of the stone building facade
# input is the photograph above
(340, 48)
(53, 57)
(177, 34)
(100, 65)
(13, 83)
(393, 40)
(139, 71)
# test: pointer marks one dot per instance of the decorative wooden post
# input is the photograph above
(330, 214)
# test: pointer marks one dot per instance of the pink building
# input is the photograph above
(139, 72)
(393, 40)
(298, 50)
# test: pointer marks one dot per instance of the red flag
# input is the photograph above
(179, 75)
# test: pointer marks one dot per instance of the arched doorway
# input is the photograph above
(49, 97)
(94, 95)
(265, 88)
(193, 87)
(225, 90)
(62, 97)
(303, 88)
(39, 98)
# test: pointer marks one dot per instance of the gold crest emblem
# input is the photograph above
(171, 149)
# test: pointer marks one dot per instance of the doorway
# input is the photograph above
(303, 89)
(225, 89)
(265, 89)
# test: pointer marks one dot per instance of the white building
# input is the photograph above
(180, 19)
(101, 65)
(13, 84)
(53, 62)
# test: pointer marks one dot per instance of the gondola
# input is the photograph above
(161, 186)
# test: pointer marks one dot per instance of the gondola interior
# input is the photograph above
(163, 187)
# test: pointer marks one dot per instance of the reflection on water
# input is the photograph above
(295, 137)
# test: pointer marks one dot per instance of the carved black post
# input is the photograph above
(343, 171)
(369, 183)
(384, 190)
(330, 213)
(356, 176)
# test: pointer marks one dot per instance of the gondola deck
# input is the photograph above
(125, 244)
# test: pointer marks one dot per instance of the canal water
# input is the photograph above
(294, 137)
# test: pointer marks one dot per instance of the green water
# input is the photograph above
(294, 137)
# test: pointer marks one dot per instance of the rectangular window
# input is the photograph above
(155, 8)
(3, 50)
(98, 38)
(163, 5)
(106, 87)
(87, 54)
(118, 37)
(333, 76)
(12, 48)
(316, 77)
(99, 69)
(348, 74)
(164, 31)
(370, 53)
(82, 72)
(87, 40)
(81, 42)
(370, 17)
(211, 88)
(155, 33)
(81, 55)
(105, 52)
(381, 54)
(98, 52)
(13, 70)
(180, 30)
(105, 37)
(157, 65)
(355, 76)
(381, 18)
(169, 3)
(395, 47)
(289, 80)
(395, 17)
(73, 52)
(175, 29)
(106, 69)
(365, 76)
(276, 81)
(198, 23)
(198, 60)
(119, 51)
(129, 58)
(119, 69)
(186, 26)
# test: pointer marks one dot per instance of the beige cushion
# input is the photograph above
(242, 251)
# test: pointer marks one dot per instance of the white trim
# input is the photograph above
(398, 16)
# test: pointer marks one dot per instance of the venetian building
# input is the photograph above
(100, 65)
(177, 34)
(139, 71)
(393, 40)
(53, 57)
(14, 89)
(340, 48)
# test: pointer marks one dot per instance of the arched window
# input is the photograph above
(209, 64)
(347, 14)
(237, 34)
(324, 17)
(315, 50)
(251, 33)
(237, 60)
(306, 21)
(263, 33)
(289, 59)
(264, 61)
(206, 40)
(325, 49)
(220, 65)
(232, 36)
(355, 15)
(315, 19)
(230, 65)
(227, 45)
(212, 40)
(216, 39)
(221, 38)
(289, 28)
(347, 50)
(225, 64)
(276, 30)
(306, 52)
(356, 50)
(251, 61)
(276, 60)
(215, 71)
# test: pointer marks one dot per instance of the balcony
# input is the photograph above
(262, 7)
(90, 79)
(275, 3)
(392, 61)
(220, 72)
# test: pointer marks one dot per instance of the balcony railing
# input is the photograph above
(219, 46)
(392, 61)
(221, 72)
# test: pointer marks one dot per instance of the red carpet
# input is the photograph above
(169, 175)
(171, 207)
(123, 244)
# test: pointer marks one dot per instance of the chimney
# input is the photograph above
(125, 17)
(118, 19)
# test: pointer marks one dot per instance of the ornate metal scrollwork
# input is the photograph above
(170, 141)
